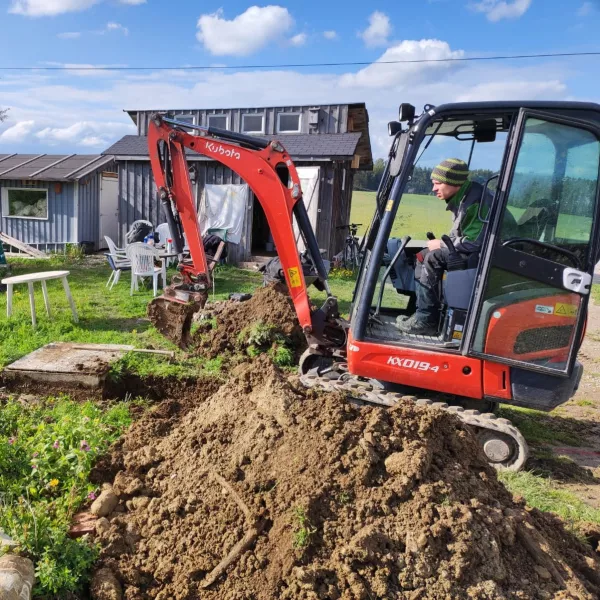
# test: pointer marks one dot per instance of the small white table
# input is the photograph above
(30, 279)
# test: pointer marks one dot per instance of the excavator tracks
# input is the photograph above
(502, 443)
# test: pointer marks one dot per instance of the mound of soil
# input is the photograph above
(269, 305)
(267, 490)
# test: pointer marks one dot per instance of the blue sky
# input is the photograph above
(82, 111)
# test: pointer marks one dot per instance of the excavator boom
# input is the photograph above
(271, 175)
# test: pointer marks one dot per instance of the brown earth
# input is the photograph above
(269, 305)
(266, 490)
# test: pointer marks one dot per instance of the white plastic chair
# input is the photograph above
(118, 261)
(164, 233)
(143, 258)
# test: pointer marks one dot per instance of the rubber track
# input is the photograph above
(365, 392)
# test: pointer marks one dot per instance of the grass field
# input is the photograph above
(417, 215)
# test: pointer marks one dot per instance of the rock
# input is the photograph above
(543, 572)
(105, 586)
(83, 523)
(7, 542)
(102, 525)
(16, 577)
(105, 503)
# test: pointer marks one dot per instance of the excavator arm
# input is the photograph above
(271, 175)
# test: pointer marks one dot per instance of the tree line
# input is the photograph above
(420, 182)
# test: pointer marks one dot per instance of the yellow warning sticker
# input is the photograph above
(457, 335)
(565, 310)
(388, 206)
(294, 275)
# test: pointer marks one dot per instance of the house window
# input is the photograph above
(219, 121)
(191, 119)
(25, 203)
(288, 122)
(253, 123)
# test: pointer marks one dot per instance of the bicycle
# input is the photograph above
(350, 255)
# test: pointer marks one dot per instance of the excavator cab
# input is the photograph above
(513, 315)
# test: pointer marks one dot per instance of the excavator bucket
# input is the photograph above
(174, 318)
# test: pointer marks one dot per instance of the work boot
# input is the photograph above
(401, 319)
(415, 326)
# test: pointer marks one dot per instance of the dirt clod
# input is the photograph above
(266, 490)
(270, 306)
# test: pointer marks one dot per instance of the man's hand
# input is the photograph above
(434, 245)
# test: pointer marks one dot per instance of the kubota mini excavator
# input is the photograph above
(513, 314)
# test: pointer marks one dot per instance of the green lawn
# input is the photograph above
(416, 216)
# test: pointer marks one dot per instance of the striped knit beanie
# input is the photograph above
(452, 171)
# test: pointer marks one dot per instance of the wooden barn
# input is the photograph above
(328, 144)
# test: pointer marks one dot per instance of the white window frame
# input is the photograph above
(262, 129)
(187, 118)
(289, 114)
(6, 204)
(209, 117)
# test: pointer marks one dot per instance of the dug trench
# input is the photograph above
(256, 488)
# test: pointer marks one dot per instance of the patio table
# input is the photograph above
(30, 279)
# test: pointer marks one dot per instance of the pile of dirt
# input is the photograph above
(266, 490)
(221, 323)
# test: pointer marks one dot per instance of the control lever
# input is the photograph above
(403, 242)
(455, 261)
(430, 235)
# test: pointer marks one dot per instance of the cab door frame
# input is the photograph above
(491, 244)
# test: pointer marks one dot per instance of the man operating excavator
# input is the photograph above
(462, 197)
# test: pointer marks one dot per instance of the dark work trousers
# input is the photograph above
(428, 285)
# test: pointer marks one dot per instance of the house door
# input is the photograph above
(309, 180)
(109, 208)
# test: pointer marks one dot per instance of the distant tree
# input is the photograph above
(3, 114)
(369, 180)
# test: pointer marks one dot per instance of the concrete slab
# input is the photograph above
(68, 362)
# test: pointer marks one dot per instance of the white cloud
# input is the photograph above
(117, 27)
(495, 10)
(69, 35)
(246, 33)
(511, 90)
(298, 40)
(377, 75)
(378, 31)
(587, 8)
(49, 8)
(83, 114)
(330, 35)
(17, 132)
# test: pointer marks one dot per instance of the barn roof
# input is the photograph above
(50, 167)
(299, 146)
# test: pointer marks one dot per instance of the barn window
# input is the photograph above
(288, 122)
(191, 119)
(219, 121)
(253, 123)
(25, 203)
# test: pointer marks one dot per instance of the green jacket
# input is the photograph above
(467, 230)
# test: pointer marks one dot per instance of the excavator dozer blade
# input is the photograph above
(174, 319)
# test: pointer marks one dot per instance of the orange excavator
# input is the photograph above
(513, 315)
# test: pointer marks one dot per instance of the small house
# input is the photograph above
(49, 201)
(328, 144)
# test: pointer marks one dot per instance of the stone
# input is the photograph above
(102, 525)
(105, 503)
(105, 586)
(16, 577)
(84, 523)
(7, 542)
(543, 572)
